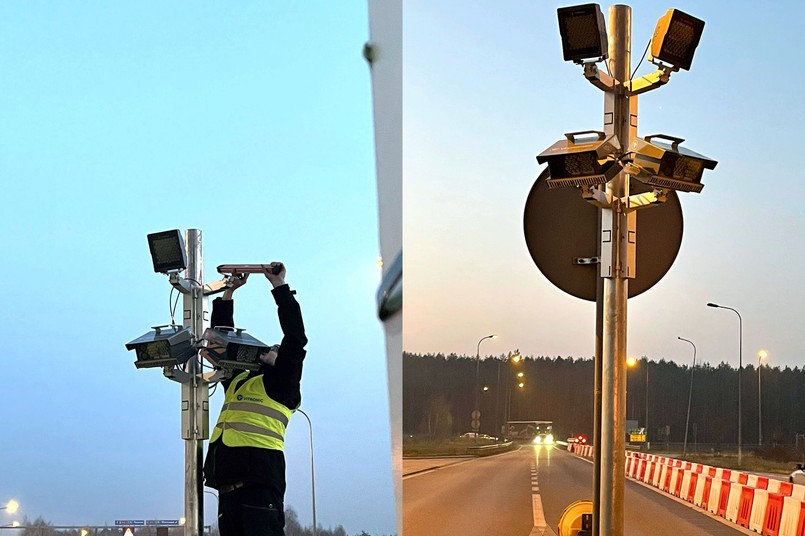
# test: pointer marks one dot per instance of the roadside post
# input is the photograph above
(601, 165)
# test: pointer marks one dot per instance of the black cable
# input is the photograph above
(641, 60)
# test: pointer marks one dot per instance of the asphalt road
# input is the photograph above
(523, 493)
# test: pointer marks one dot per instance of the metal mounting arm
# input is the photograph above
(179, 283)
(658, 78)
(600, 80)
(646, 200)
(597, 197)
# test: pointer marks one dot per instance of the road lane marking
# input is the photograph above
(541, 527)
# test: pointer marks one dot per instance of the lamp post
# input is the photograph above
(312, 478)
(520, 382)
(514, 358)
(631, 362)
(740, 367)
(477, 384)
(690, 395)
(761, 355)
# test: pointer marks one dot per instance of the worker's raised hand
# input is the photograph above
(274, 272)
(235, 282)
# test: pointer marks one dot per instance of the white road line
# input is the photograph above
(541, 527)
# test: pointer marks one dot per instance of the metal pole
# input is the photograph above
(312, 478)
(477, 380)
(647, 430)
(740, 373)
(620, 118)
(599, 335)
(740, 368)
(690, 395)
(759, 411)
(195, 393)
(497, 404)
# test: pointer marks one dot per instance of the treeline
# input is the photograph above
(439, 397)
(41, 527)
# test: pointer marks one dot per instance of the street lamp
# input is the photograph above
(631, 362)
(12, 506)
(514, 358)
(740, 367)
(761, 355)
(312, 479)
(690, 395)
(477, 383)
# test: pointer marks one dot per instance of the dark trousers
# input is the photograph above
(251, 511)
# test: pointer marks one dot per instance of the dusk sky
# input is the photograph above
(486, 90)
(250, 121)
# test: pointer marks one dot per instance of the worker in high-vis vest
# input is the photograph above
(245, 460)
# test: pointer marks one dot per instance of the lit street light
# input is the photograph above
(740, 367)
(631, 362)
(761, 355)
(690, 395)
(12, 506)
(514, 358)
(477, 383)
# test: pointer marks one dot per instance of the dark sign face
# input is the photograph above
(560, 227)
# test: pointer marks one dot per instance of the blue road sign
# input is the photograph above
(130, 522)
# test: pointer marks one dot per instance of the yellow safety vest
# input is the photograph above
(251, 418)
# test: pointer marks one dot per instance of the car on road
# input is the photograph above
(543, 438)
(473, 435)
(798, 476)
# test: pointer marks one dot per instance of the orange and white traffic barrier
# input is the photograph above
(774, 512)
(651, 468)
(678, 475)
(715, 494)
(689, 483)
(778, 486)
(758, 482)
(702, 493)
(759, 506)
(798, 491)
(731, 511)
(745, 503)
(659, 473)
(791, 519)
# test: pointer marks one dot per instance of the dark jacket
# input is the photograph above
(227, 465)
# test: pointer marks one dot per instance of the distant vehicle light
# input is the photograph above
(537, 440)
(549, 438)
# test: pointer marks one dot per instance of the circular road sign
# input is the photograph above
(561, 226)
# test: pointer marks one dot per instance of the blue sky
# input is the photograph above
(250, 121)
(486, 90)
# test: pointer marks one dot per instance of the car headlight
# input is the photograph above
(538, 439)
(549, 438)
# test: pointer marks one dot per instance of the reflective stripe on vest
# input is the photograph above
(249, 417)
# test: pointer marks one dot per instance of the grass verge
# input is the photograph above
(456, 447)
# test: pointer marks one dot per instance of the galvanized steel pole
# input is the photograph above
(690, 396)
(759, 406)
(620, 118)
(195, 392)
